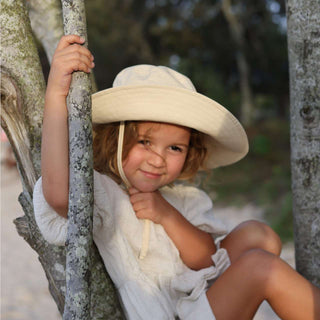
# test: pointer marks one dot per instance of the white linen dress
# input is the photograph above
(160, 286)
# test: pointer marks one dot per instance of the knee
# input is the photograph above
(256, 259)
(260, 235)
(265, 270)
(259, 266)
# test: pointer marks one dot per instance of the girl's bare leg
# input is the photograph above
(256, 276)
(249, 235)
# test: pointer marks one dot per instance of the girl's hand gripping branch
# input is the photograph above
(69, 56)
(195, 246)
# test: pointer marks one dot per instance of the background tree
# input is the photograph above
(237, 33)
(304, 55)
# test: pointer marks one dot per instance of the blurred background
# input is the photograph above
(236, 54)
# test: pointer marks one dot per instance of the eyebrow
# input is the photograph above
(180, 144)
(144, 136)
(147, 135)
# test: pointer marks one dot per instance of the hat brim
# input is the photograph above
(227, 141)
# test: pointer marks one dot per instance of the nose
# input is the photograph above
(156, 159)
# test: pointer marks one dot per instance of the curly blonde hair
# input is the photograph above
(105, 145)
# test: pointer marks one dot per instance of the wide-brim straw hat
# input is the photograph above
(160, 94)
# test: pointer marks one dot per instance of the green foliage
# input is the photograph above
(260, 145)
(281, 219)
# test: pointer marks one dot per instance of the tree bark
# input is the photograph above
(22, 97)
(90, 291)
(19, 59)
(43, 14)
(79, 240)
(304, 66)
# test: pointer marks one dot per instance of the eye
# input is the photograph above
(144, 142)
(176, 149)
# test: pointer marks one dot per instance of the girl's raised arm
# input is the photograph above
(69, 56)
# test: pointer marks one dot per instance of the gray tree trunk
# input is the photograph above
(22, 97)
(304, 60)
(79, 240)
(46, 23)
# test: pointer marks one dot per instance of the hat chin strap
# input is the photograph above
(146, 227)
(119, 155)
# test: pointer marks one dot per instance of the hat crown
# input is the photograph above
(148, 75)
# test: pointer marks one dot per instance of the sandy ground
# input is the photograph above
(24, 288)
(24, 292)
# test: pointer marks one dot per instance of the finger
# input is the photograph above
(78, 65)
(133, 191)
(139, 207)
(72, 60)
(141, 214)
(134, 198)
(74, 52)
(66, 40)
(81, 59)
(140, 196)
(74, 49)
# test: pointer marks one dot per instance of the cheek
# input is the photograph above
(126, 163)
(132, 160)
(178, 164)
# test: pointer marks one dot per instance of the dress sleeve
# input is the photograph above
(198, 209)
(52, 226)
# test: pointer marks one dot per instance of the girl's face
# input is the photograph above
(158, 156)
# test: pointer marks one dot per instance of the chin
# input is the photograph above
(147, 188)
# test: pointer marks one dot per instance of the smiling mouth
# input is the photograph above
(151, 175)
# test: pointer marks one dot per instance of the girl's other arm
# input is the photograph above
(195, 246)
(69, 56)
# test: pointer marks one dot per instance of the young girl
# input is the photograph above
(182, 264)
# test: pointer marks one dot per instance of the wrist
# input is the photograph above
(55, 104)
(55, 95)
(169, 217)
